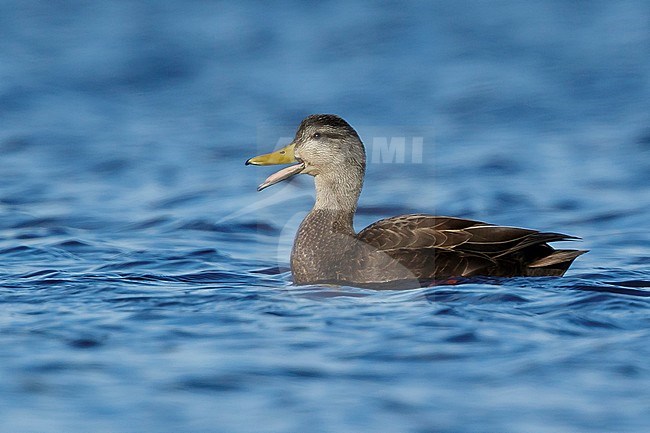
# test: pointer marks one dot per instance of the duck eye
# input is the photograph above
(316, 135)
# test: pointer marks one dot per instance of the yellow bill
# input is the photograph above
(282, 156)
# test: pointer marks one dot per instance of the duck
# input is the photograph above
(403, 251)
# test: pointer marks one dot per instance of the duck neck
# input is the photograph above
(337, 194)
(327, 232)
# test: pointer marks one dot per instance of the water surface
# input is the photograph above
(144, 282)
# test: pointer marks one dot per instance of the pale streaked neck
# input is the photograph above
(338, 192)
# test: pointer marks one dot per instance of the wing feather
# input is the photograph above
(438, 245)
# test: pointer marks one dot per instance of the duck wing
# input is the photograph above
(438, 246)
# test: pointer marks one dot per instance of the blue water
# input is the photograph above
(144, 283)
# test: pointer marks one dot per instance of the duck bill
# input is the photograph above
(281, 175)
(282, 156)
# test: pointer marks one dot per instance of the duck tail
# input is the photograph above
(555, 264)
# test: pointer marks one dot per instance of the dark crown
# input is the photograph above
(328, 121)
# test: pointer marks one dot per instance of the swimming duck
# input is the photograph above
(402, 251)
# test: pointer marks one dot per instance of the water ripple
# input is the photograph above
(145, 285)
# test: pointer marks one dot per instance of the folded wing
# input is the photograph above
(434, 247)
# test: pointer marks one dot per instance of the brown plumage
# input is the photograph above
(403, 251)
(467, 248)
